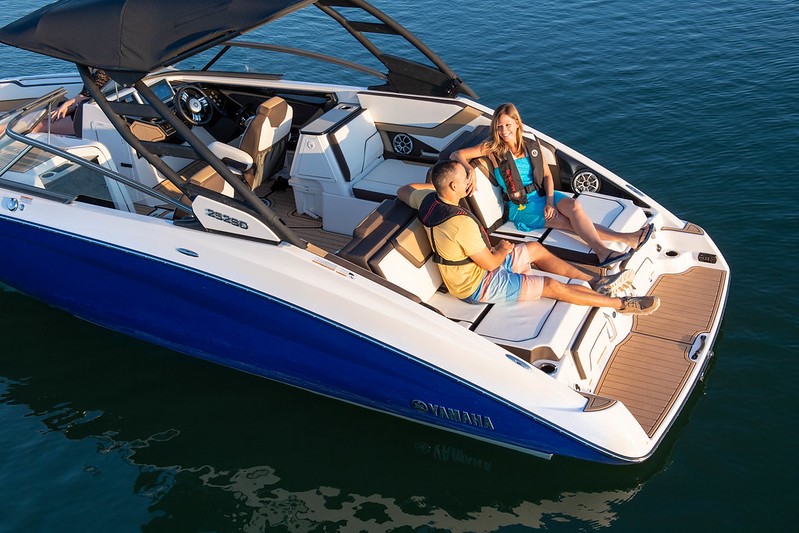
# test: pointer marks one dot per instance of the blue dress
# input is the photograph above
(530, 216)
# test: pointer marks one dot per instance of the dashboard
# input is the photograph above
(222, 110)
(163, 90)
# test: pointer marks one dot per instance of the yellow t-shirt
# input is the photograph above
(456, 239)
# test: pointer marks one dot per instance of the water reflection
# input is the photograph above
(214, 449)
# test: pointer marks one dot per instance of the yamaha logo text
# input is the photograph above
(455, 415)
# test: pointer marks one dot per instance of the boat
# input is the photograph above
(251, 220)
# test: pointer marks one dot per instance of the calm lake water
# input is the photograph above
(697, 103)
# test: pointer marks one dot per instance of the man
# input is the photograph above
(475, 271)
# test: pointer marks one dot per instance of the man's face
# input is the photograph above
(460, 182)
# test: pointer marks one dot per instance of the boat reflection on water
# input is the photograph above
(216, 449)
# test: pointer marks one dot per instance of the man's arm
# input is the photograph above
(404, 192)
(491, 258)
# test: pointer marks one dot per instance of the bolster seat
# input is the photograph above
(260, 153)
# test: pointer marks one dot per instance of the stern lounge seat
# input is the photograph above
(392, 243)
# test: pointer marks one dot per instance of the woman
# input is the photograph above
(519, 168)
(62, 119)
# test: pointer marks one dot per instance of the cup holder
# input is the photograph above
(672, 253)
(546, 366)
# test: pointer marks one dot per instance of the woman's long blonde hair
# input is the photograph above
(494, 145)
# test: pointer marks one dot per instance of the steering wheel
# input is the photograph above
(193, 105)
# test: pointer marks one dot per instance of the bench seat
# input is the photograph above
(618, 214)
(393, 244)
(383, 179)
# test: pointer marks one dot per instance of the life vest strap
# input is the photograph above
(527, 190)
(433, 212)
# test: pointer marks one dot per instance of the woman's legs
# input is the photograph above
(548, 262)
(576, 220)
(63, 126)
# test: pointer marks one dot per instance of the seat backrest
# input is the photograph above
(551, 158)
(407, 261)
(486, 201)
(265, 139)
(359, 145)
(374, 231)
(392, 243)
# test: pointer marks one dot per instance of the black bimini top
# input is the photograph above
(131, 38)
(138, 35)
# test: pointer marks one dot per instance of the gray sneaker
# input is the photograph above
(614, 284)
(639, 305)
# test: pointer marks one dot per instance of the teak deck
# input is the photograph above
(281, 201)
(650, 367)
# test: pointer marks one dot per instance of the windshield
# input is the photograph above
(64, 167)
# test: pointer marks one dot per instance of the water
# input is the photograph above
(694, 102)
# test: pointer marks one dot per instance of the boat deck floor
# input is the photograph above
(280, 197)
(649, 369)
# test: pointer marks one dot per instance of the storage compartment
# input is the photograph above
(594, 344)
(307, 197)
(315, 169)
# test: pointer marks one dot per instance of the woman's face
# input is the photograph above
(506, 129)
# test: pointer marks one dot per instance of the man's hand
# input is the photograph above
(503, 248)
(491, 258)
